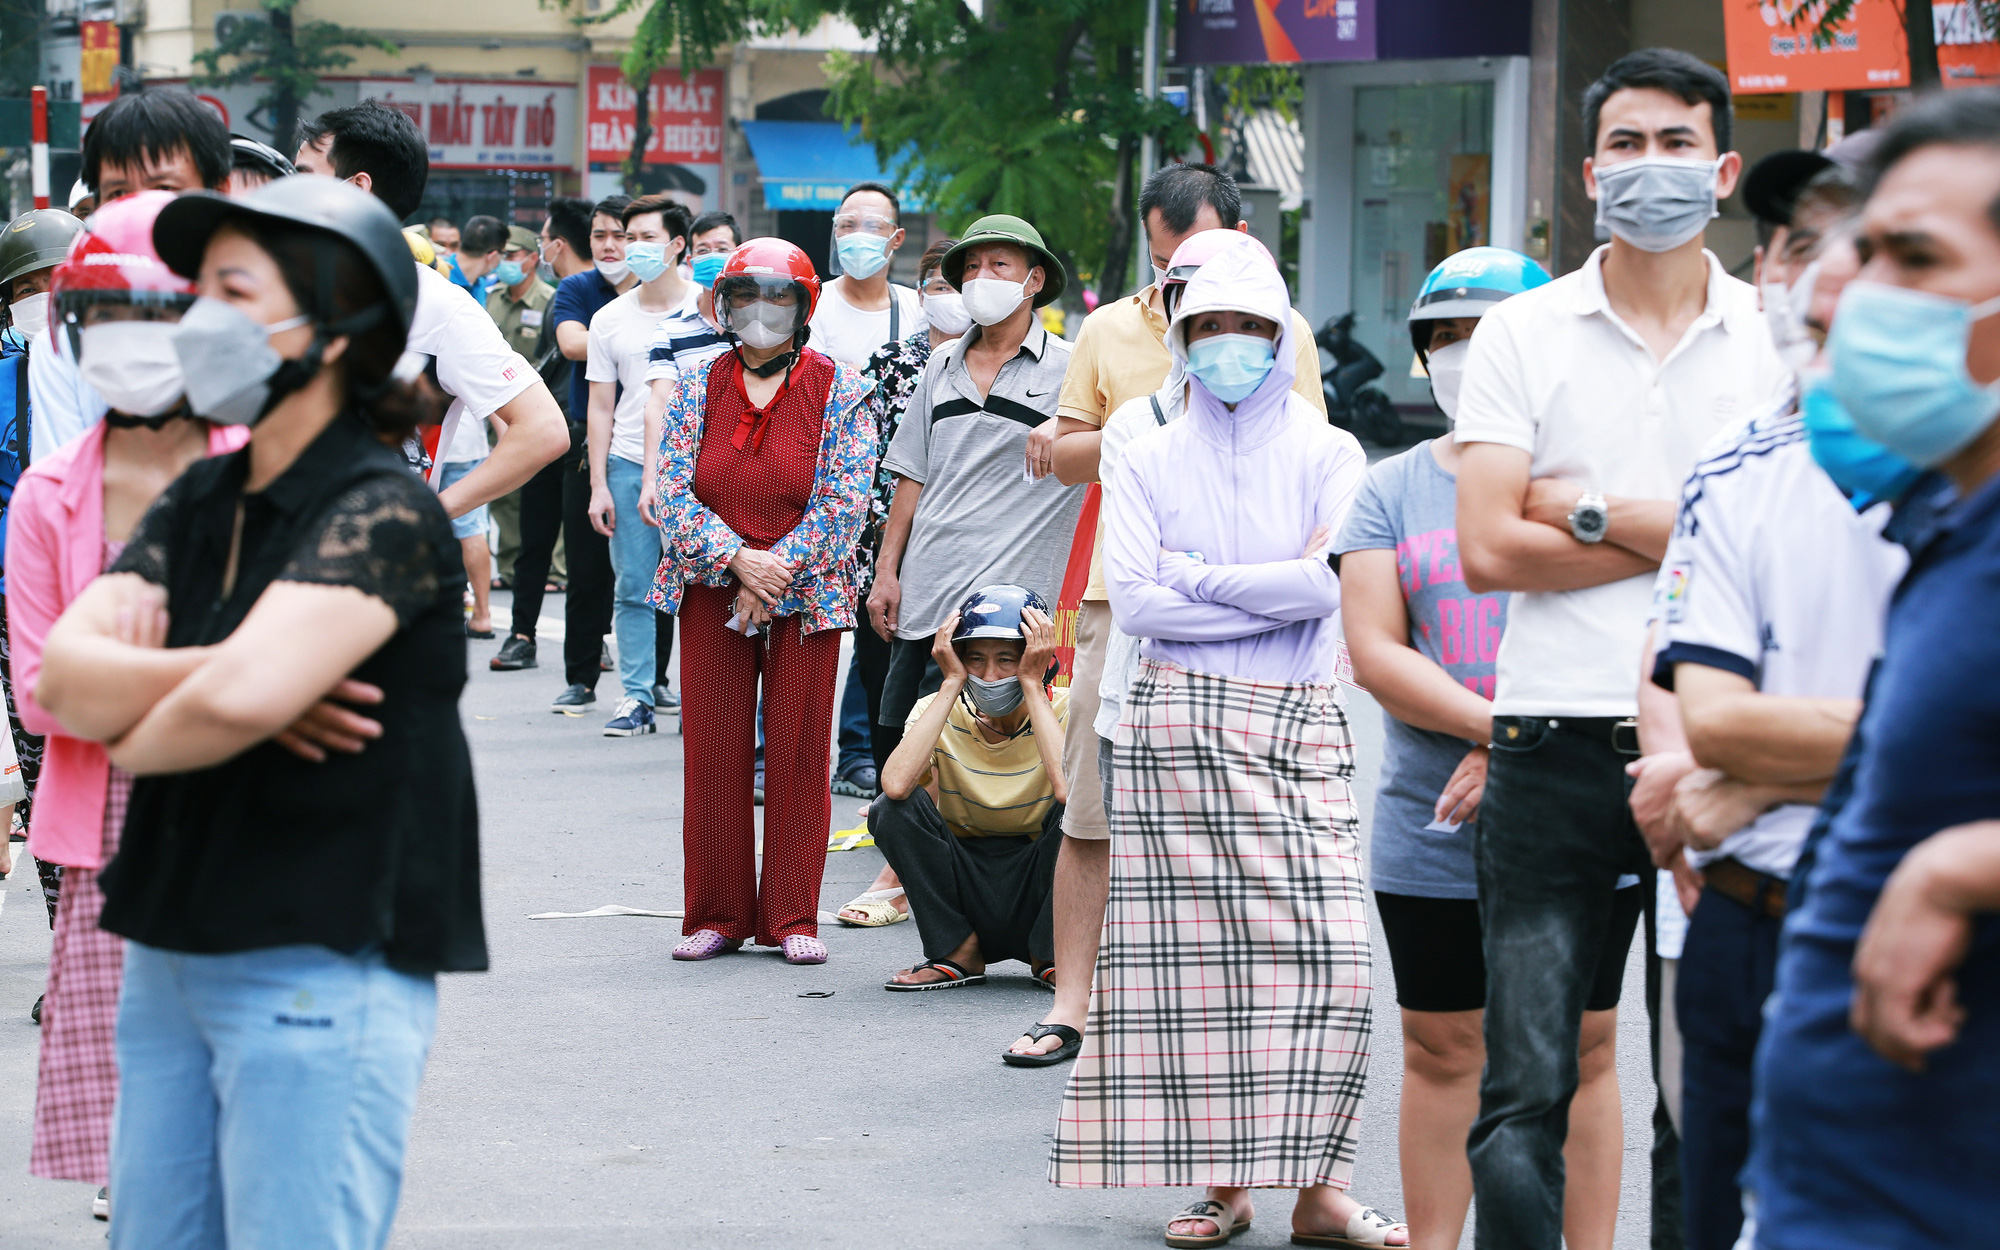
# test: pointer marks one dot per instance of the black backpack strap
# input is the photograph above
(895, 315)
(1159, 417)
(23, 439)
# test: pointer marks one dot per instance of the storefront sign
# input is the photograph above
(685, 113)
(97, 66)
(487, 124)
(1968, 54)
(1771, 47)
(1250, 32)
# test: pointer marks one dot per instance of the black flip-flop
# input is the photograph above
(954, 977)
(482, 634)
(1072, 1041)
(1046, 978)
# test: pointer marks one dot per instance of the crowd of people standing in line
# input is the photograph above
(1667, 630)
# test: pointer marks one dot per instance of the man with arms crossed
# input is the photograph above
(1585, 404)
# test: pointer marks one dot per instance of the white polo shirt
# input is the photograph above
(1556, 373)
(1771, 575)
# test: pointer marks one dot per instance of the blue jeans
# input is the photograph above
(635, 557)
(856, 747)
(1554, 837)
(1726, 972)
(264, 1098)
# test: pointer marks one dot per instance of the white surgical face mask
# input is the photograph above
(1159, 276)
(133, 366)
(1447, 370)
(614, 271)
(1785, 311)
(1656, 203)
(992, 300)
(947, 314)
(30, 315)
(764, 325)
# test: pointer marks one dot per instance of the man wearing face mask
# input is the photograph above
(971, 809)
(861, 309)
(622, 507)
(517, 302)
(963, 510)
(1874, 1075)
(1585, 404)
(479, 254)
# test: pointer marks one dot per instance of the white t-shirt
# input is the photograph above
(851, 336)
(621, 342)
(63, 404)
(474, 363)
(1555, 373)
(1771, 575)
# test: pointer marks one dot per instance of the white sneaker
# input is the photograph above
(100, 1206)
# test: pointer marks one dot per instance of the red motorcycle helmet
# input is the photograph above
(766, 270)
(114, 262)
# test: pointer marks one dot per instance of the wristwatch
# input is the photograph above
(1589, 519)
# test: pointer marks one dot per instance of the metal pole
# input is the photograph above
(38, 149)
(1148, 146)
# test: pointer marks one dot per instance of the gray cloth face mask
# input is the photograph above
(227, 361)
(1656, 203)
(993, 698)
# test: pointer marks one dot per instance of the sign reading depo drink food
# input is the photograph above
(1772, 47)
(487, 124)
(684, 111)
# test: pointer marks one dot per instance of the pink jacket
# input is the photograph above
(55, 547)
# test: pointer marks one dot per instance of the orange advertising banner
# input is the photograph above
(1968, 54)
(1771, 47)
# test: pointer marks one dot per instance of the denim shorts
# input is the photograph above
(473, 523)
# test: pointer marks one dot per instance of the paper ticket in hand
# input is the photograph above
(742, 624)
(1441, 825)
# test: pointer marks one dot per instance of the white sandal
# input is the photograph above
(1367, 1228)
(876, 905)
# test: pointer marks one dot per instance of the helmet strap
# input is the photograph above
(776, 364)
(158, 421)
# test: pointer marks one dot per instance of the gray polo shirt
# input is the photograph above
(979, 520)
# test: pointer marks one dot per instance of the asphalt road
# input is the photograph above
(590, 1092)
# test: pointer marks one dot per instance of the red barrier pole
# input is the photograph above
(38, 151)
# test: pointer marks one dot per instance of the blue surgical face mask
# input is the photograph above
(1232, 365)
(509, 273)
(1899, 368)
(1867, 473)
(708, 267)
(862, 255)
(646, 260)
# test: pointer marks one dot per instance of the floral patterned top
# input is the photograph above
(895, 367)
(697, 546)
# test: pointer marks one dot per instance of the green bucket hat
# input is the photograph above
(1000, 228)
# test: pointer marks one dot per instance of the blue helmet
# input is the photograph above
(1469, 284)
(995, 612)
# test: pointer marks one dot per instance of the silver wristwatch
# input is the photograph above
(1590, 518)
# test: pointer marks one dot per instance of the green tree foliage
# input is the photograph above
(1031, 108)
(288, 55)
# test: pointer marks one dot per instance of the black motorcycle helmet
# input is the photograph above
(262, 158)
(340, 209)
(995, 612)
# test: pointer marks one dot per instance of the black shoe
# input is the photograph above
(572, 701)
(35, 1013)
(664, 699)
(516, 653)
(860, 781)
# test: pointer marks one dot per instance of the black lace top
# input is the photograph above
(376, 850)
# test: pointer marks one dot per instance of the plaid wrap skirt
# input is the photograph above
(1227, 1042)
(77, 1084)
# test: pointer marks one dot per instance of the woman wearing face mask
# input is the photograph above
(1424, 646)
(31, 247)
(118, 304)
(765, 460)
(1248, 998)
(895, 368)
(284, 917)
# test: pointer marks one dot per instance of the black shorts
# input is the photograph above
(911, 675)
(1440, 965)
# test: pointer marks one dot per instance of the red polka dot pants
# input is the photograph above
(720, 669)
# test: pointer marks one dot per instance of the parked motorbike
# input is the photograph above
(1363, 410)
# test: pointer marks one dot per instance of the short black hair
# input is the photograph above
(612, 206)
(569, 220)
(895, 205)
(933, 258)
(673, 215)
(382, 142)
(1180, 190)
(153, 126)
(1968, 118)
(435, 222)
(712, 220)
(1691, 79)
(480, 235)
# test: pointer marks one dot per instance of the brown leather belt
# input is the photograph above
(1758, 891)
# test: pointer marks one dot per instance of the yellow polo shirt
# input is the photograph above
(1122, 354)
(989, 789)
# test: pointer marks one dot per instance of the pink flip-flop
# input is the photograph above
(800, 949)
(705, 944)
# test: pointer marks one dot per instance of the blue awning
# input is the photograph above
(811, 164)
